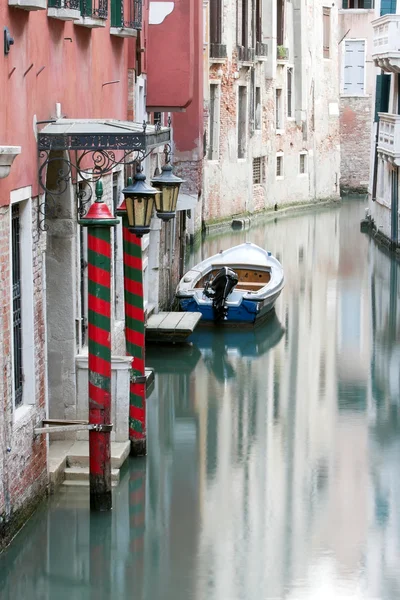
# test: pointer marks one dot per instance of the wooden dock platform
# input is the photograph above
(171, 327)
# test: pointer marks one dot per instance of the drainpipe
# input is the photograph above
(375, 173)
(395, 206)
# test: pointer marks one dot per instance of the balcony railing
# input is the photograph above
(389, 135)
(65, 4)
(386, 42)
(218, 50)
(261, 49)
(97, 9)
(245, 54)
(126, 14)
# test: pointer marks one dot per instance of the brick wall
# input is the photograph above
(23, 458)
(355, 142)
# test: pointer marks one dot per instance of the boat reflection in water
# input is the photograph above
(220, 346)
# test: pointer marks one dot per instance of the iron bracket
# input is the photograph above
(140, 379)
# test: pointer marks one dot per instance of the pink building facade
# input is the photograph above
(78, 60)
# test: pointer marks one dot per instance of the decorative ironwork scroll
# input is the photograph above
(84, 159)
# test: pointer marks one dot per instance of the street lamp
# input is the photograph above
(139, 203)
(168, 185)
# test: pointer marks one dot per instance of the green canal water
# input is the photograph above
(273, 467)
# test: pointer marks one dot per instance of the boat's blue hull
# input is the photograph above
(246, 312)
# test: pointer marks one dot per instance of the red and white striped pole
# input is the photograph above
(99, 222)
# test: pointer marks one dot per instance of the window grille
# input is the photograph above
(302, 164)
(16, 297)
(257, 170)
(326, 30)
(289, 93)
(278, 109)
(279, 166)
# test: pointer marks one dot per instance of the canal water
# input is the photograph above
(273, 467)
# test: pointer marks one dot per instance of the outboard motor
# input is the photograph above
(219, 289)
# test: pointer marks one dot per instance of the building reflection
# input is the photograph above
(272, 468)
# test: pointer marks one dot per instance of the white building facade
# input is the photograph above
(385, 142)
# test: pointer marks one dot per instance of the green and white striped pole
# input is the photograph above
(99, 221)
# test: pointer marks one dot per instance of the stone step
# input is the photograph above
(82, 474)
(82, 483)
(78, 454)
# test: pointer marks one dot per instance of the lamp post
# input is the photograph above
(168, 185)
(136, 210)
(99, 222)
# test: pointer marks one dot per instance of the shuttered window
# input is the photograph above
(354, 67)
(382, 94)
(388, 7)
(326, 14)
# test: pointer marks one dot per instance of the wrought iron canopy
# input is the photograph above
(85, 150)
(101, 134)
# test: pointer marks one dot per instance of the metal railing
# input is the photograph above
(94, 8)
(245, 54)
(261, 49)
(67, 4)
(126, 14)
(218, 50)
(282, 53)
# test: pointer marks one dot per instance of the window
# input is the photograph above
(303, 163)
(280, 14)
(257, 111)
(290, 93)
(242, 23)
(16, 306)
(388, 7)
(82, 266)
(326, 15)
(259, 21)
(258, 170)
(279, 166)
(215, 21)
(242, 121)
(22, 298)
(358, 4)
(278, 109)
(157, 118)
(126, 14)
(354, 67)
(213, 128)
(382, 94)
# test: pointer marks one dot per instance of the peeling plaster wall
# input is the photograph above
(313, 128)
(356, 112)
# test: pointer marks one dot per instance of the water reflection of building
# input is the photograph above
(384, 420)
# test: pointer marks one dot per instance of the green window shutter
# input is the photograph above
(382, 94)
(345, 4)
(86, 8)
(388, 7)
(116, 13)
